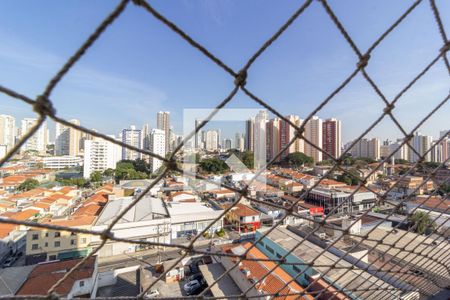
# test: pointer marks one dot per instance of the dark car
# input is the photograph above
(193, 287)
(198, 277)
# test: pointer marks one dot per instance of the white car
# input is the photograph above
(152, 294)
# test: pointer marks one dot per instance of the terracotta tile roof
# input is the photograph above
(73, 221)
(23, 215)
(5, 229)
(66, 189)
(101, 198)
(242, 210)
(44, 276)
(42, 205)
(277, 278)
(435, 203)
(91, 209)
(331, 182)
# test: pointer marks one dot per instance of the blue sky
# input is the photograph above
(139, 66)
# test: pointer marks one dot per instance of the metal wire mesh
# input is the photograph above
(436, 259)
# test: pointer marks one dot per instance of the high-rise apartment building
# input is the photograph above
(421, 143)
(445, 145)
(68, 140)
(260, 138)
(272, 138)
(331, 137)
(367, 148)
(7, 131)
(239, 142)
(401, 153)
(313, 133)
(38, 141)
(163, 123)
(249, 134)
(227, 144)
(157, 146)
(145, 136)
(100, 155)
(287, 133)
(132, 137)
(211, 140)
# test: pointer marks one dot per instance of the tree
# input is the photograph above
(28, 184)
(96, 176)
(109, 172)
(213, 165)
(298, 159)
(326, 162)
(444, 189)
(248, 159)
(141, 165)
(79, 182)
(125, 170)
(421, 222)
(401, 161)
(349, 179)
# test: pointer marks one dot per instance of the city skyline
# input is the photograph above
(121, 94)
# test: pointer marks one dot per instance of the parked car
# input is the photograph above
(198, 277)
(193, 287)
(152, 294)
(8, 262)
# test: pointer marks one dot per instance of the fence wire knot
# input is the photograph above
(44, 107)
(446, 47)
(388, 109)
(241, 78)
(171, 164)
(363, 61)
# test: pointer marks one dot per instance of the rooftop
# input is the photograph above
(148, 208)
(44, 276)
(352, 278)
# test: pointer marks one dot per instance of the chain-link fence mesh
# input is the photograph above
(430, 253)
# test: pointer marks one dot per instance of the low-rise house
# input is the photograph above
(13, 237)
(81, 283)
(243, 218)
(182, 196)
(437, 209)
(190, 218)
(341, 200)
(48, 245)
(414, 185)
(286, 242)
(148, 220)
(222, 193)
(269, 277)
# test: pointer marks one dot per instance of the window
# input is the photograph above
(270, 249)
(52, 257)
(57, 243)
(46, 234)
(83, 240)
(46, 244)
(34, 247)
(279, 255)
(253, 218)
(73, 242)
(296, 269)
(73, 233)
(57, 234)
(35, 236)
(81, 283)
